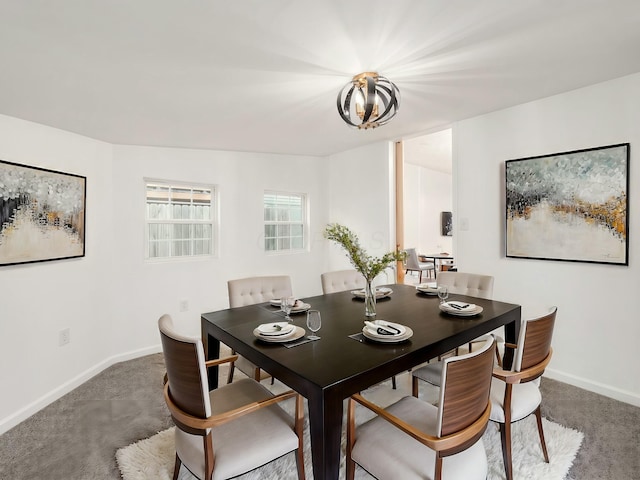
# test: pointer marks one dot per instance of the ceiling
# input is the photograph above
(263, 76)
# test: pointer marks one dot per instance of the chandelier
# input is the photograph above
(368, 101)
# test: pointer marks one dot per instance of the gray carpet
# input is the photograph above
(77, 436)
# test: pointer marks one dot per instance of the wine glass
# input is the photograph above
(314, 322)
(286, 304)
(443, 293)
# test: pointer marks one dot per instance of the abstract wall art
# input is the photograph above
(42, 214)
(446, 224)
(570, 206)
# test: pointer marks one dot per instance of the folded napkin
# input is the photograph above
(382, 328)
(461, 306)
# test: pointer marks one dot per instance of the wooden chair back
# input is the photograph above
(464, 394)
(186, 373)
(534, 344)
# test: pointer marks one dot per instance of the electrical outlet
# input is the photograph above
(64, 337)
(184, 305)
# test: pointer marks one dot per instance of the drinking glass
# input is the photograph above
(314, 322)
(443, 293)
(286, 304)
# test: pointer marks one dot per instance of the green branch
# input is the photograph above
(364, 263)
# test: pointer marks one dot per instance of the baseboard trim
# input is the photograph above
(14, 419)
(596, 387)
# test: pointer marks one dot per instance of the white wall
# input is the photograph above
(362, 197)
(40, 299)
(427, 193)
(111, 298)
(597, 325)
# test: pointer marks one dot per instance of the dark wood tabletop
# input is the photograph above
(331, 369)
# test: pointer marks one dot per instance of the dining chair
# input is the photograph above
(228, 431)
(471, 284)
(515, 393)
(249, 291)
(341, 280)
(412, 439)
(412, 264)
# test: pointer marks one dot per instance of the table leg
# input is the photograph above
(511, 332)
(211, 351)
(325, 421)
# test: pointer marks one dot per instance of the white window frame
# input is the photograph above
(303, 223)
(212, 221)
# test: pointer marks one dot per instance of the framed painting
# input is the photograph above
(42, 214)
(446, 224)
(570, 206)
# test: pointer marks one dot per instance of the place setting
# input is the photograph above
(287, 333)
(381, 292)
(428, 288)
(290, 305)
(455, 307)
(386, 332)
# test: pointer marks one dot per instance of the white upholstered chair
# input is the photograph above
(471, 284)
(515, 394)
(227, 431)
(341, 280)
(249, 291)
(413, 264)
(412, 439)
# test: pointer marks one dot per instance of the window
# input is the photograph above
(284, 221)
(179, 220)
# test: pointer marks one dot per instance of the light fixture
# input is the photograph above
(368, 101)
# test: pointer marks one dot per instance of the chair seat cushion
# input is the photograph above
(430, 373)
(525, 398)
(245, 443)
(388, 453)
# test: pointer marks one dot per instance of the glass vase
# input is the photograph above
(369, 300)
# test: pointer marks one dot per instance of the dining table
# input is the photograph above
(437, 259)
(343, 362)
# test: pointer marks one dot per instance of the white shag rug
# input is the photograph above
(153, 458)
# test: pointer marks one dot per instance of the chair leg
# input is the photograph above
(176, 468)
(438, 473)
(505, 431)
(414, 386)
(505, 435)
(209, 459)
(393, 382)
(299, 426)
(256, 374)
(232, 367)
(351, 438)
(541, 433)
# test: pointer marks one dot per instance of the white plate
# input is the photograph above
(275, 328)
(461, 313)
(381, 292)
(302, 307)
(388, 338)
(298, 332)
(427, 289)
